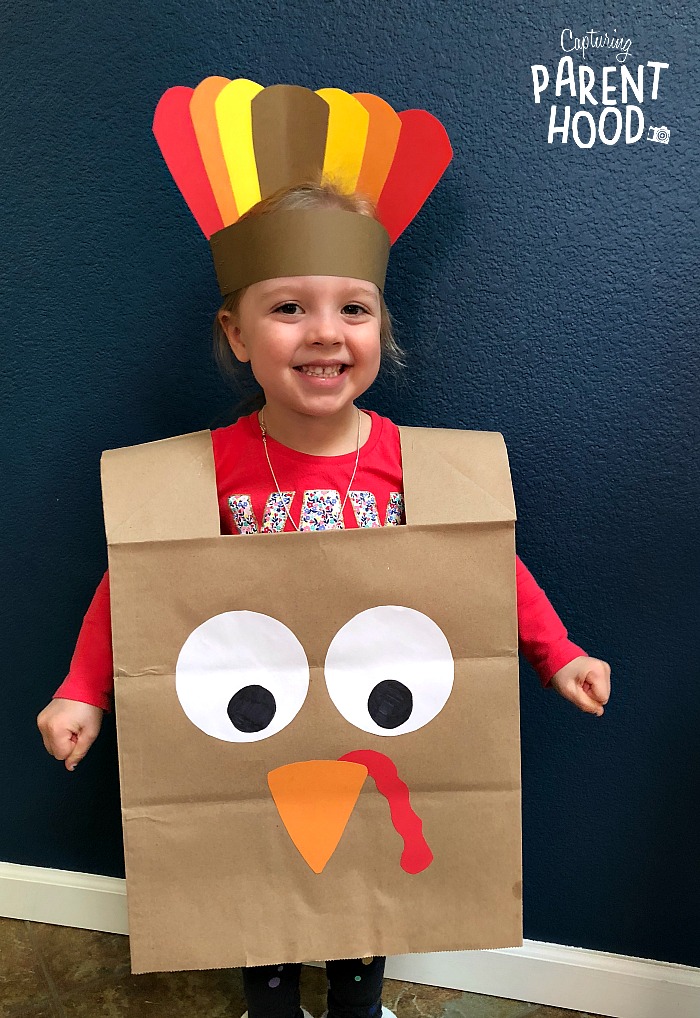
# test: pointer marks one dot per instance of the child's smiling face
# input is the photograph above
(313, 342)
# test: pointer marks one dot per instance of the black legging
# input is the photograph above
(354, 989)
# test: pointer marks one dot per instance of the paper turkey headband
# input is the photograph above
(231, 144)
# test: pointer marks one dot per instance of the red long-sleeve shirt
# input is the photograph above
(313, 489)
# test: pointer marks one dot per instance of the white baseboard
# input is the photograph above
(568, 977)
(63, 898)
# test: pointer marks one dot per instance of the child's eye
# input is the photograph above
(353, 310)
(290, 307)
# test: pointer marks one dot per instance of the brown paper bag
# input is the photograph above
(247, 667)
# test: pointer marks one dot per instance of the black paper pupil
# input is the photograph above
(390, 703)
(251, 709)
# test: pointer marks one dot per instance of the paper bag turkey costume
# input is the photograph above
(411, 843)
(318, 732)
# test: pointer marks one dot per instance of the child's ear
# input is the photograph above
(229, 323)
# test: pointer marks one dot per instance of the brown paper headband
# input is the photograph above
(231, 144)
(300, 242)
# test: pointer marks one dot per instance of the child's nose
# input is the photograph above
(323, 328)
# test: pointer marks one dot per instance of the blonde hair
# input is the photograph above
(302, 196)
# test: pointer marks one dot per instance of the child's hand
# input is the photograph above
(69, 728)
(585, 681)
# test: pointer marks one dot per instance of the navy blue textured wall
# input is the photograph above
(548, 291)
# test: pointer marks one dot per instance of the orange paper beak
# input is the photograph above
(315, 799)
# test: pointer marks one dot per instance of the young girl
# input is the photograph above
(308, 459)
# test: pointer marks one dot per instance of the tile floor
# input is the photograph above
(59, 972)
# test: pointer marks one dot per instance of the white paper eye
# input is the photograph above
(389, 670)
(242, 676)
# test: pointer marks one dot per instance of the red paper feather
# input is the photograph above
(174, 132)
(422, 156)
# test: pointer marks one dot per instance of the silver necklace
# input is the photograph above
(263, 432)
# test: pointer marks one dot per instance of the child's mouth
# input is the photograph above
(318, 371)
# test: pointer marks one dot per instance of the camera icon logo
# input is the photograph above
(661, 134)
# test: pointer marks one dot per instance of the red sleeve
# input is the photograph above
(90, 678)
(544, 641)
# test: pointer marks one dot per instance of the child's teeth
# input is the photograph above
(321, 372)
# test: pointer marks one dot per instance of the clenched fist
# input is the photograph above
(69, 728)
(585, 681)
